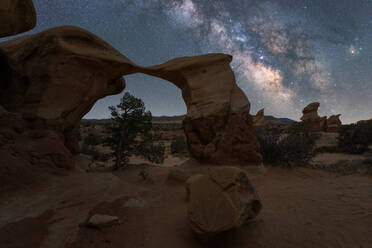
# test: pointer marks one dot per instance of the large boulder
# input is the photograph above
(220, 201)
(312, 121)
(16, 16)
(218, 126)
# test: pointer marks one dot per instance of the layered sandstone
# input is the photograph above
(334, 124)
(312, 121)
(60, 73)
(16, 16)
(50, 80)
(218, 125)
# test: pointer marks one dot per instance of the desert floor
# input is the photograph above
(301, 208)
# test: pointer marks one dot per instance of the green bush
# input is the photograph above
(355, 138)
(178, 145)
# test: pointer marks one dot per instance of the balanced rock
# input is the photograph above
(16, 16)
(220, 201)
(334, 124)
(312, 121)
(218, 126)
(259, 119)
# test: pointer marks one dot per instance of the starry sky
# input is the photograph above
(286, 53)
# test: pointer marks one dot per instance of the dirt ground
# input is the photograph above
(301, 208)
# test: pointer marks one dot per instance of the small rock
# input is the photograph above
(100, 221)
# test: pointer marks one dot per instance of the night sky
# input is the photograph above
(287, 53)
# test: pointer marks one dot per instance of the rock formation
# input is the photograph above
(365, 122)
(60, 73)
(56, 76)
(50, 80)
(16, 16)
(220, 201)
(218, 125)
(312, 121)
(334, 124)
(259, 119)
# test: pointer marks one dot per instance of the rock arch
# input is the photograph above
(67, 69)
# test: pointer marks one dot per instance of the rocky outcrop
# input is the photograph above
(365, 122)
(50, 80)
(314, 123)
(220, 201)
(259, 119)
(218, 125)
(16, 16)
(334, 124)
(60, 73)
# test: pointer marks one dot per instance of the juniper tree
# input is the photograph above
(131, 132)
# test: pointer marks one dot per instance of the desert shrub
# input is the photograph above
(355, 138)
(294, 146)
(93, 139)
(326, 149)
(96, 155)
(178, 145)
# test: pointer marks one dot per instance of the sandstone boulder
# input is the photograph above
(220, 201)
(259, 119)
(218, 125)
(16, 16)
(312, 121)
(334, 124)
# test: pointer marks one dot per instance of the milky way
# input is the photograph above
(286, 53)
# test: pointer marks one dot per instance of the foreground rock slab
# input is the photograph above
(220, 201)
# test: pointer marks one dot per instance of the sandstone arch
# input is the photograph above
(57, 76)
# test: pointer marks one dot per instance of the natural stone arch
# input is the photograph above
(67, 69)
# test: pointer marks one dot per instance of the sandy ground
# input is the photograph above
(332, 158)
(302, 208)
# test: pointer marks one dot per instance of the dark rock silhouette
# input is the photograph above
(16, 16)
